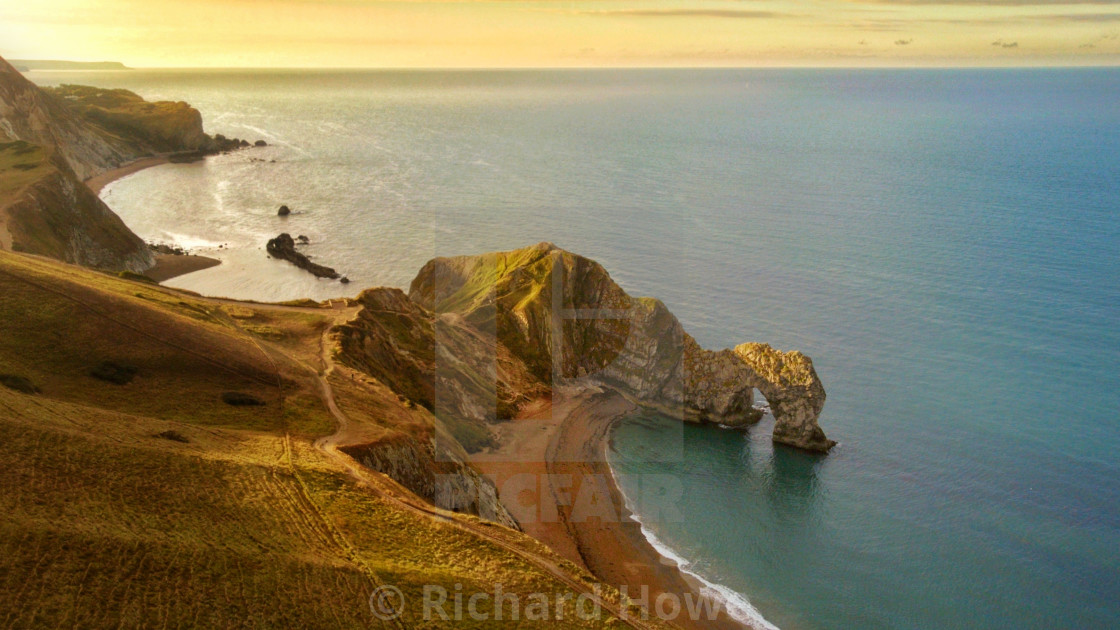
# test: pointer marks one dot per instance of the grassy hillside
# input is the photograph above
(21, 163)
(136, 495)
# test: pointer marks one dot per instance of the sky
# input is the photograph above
(559, 33)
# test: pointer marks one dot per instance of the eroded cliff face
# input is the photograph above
(436, 473)
(440, 362)
(28, 113)
(47, 211)
(140, 127)
(82, 132)
(462, 380)
(567, 320)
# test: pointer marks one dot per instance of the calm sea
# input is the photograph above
(944, 244)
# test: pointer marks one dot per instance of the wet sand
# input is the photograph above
(554, 477)
(169, 266)
(98, 182)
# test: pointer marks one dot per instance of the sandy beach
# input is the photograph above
(167, 266)
(170, 266)
(555, 479)
(552, 470)
(98, 182)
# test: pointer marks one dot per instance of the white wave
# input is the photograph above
(736, 604)
(257, 130)
(187, 241)
(276, 140)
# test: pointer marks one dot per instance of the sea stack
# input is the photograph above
(284, 248)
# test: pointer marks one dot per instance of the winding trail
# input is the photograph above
(377, 483)
(381, 485)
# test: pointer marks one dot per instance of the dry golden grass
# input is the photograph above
(154, 504)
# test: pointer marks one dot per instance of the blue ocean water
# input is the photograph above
(945, 244)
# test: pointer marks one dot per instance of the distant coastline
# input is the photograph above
(25, 65)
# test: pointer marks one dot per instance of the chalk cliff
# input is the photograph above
(82, 132)
(45, 210)
(539, 317)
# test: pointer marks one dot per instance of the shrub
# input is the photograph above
(241, 399)
(18, 383)
(115, 373)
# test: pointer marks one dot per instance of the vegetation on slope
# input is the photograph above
(159, 126)
(153, 503)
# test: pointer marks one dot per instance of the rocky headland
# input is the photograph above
(523, 361)
(482, 340)
(567, 322)
(55, 139)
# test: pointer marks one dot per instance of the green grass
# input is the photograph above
(22, 164)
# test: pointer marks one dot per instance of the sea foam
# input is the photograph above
(736, 604)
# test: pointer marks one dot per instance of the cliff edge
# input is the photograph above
(538, 318)
(75, 133)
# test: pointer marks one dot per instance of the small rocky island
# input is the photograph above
(284, 248)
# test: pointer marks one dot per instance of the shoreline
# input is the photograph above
(167, 266)
(98, 182)
(613, 545)
(170, 266)
(750, 616)
(580, 512)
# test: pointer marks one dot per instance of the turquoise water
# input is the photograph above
(944, 244)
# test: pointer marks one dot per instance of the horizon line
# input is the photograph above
(792, 66)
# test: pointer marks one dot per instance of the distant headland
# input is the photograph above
(25, 65)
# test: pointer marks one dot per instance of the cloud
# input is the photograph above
(995, 3)
(714, 13)
(903, 25)
(1079, 17)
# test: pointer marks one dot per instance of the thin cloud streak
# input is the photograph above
(992, 3)
(714, 13)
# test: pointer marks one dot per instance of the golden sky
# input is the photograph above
(514, 33)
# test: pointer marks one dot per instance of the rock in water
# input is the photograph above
(284, 247)
(283, 211)
(260, 143)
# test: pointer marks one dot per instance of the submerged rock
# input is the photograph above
(284, 247)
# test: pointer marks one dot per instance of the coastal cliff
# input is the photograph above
(540, 317)
(76, 133)
(50, 213)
